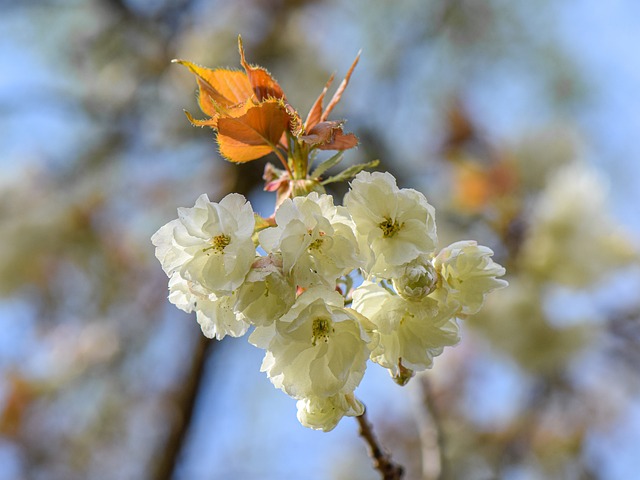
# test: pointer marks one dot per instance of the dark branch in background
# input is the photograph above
(184, 405)
(381, 460)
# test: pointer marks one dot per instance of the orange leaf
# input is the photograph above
(206, 96)
(224, 87)
(472, 187)
(343, 85)
(253, 134)
(316, 109)
(234, 111)
(320, 133)
(207, 122)
(295, 122)
(341, 141)
(218, 89)
(329, 136)
(263, 84)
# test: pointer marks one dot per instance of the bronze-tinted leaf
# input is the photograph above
(207, 122)
(329, 136)
(340, 141)
(263, 84)
(295, 122)
(224, 87)
(234, 111)
(253, 134)
(320, 133)
(313, 118)
(343, 85)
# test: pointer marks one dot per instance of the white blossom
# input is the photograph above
(397, 225)
(573, 239)
(411, 333)
(325, 413)
(181, 295)
(315, 238)
(266, 293)
(467, 274)
(317, 349)
(209, 244)
(216, 316)
(171, 255)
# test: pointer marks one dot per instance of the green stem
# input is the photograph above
(283, 161)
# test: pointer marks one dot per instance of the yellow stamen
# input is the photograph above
(389, 228)
(321, 330)
(218, 243)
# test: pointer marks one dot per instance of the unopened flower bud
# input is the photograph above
(418, 280)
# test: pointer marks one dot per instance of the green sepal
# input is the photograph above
(350, 172)
(261, 224)
(327, 164)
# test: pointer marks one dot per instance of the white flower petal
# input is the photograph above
(267, 294)
(324, 413)
(217, 317)
(319, 348)
(467, 274)
(411, 333)
(397, 225)
(209, 244)
(315, 238)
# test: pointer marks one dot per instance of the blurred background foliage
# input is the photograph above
(516, 119)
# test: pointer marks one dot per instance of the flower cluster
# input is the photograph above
(318, 331)
(562, 246)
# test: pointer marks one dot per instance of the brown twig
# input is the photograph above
(381, 461)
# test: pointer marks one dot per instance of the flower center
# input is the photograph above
(219, 242)
(389, 228)
(320, 330)
(406, 317)
(317, 243)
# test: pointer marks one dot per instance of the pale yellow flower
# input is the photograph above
(325, 413)
(397, 225)
(315, 238)
(467, 274)
(317, 349)
(209, 244)
(411, 333)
